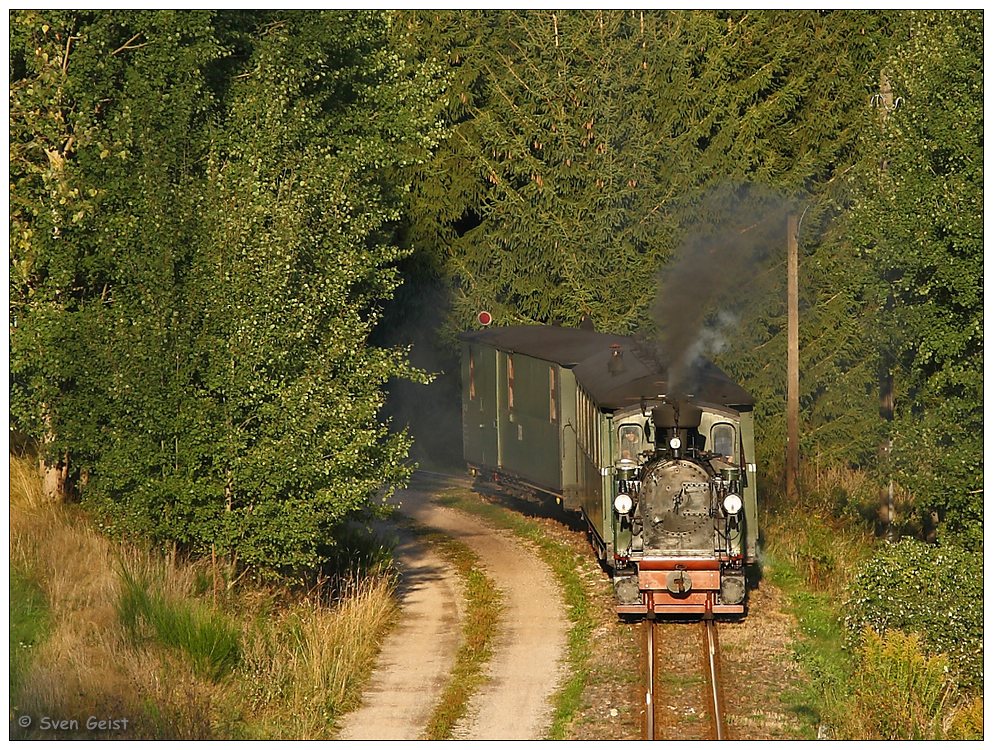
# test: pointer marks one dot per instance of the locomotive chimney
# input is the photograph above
(615, 365)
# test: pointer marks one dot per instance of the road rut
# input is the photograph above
(417, 656)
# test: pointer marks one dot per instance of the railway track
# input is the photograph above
(656, 721)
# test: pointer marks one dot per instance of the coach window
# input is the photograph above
(553, 406)
(722, 440)
(510, 382)
(630, 439)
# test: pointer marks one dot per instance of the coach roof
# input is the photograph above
(639, 373)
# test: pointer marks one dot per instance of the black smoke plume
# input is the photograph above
(728, 253)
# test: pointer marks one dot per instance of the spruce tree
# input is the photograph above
(593, 150)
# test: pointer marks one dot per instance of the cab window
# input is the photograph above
(722, 440)
(630, 440)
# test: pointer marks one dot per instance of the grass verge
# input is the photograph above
(877, 687)
(209, 638)
(29, 624)
(483, 602)
(562, 560)
(819, 647)
(811, 554)
(304, 666)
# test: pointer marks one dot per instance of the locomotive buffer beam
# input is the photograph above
(698, 581)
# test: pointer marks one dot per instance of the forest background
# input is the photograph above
(227, 229)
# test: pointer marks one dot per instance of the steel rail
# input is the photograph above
(650, 680)
(714, 697)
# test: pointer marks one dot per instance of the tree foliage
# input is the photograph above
(197, 268)
(206, 223)
(594, 149)
(596, 153)
(918, 223)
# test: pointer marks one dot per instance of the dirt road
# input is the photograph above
(526, 665)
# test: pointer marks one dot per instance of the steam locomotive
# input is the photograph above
(663, 476)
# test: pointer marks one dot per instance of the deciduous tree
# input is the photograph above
(919, 225)
(200, 247)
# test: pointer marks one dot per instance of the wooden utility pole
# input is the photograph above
(887, 509)
(792, 361)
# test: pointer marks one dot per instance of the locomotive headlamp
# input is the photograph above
(732, 504)
(675, 443)
(623, 503)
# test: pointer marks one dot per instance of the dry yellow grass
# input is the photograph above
(301, 665)
(312, 661)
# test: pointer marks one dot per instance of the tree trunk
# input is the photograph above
(54, 473)
(887, 511)
(54, 477)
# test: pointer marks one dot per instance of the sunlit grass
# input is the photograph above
(29, 623)
(306, 667)
(210, 639)
(119, 631)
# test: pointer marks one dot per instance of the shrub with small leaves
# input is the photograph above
(901, 693)
(936, 592)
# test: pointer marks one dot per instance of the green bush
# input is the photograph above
(936, 592)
